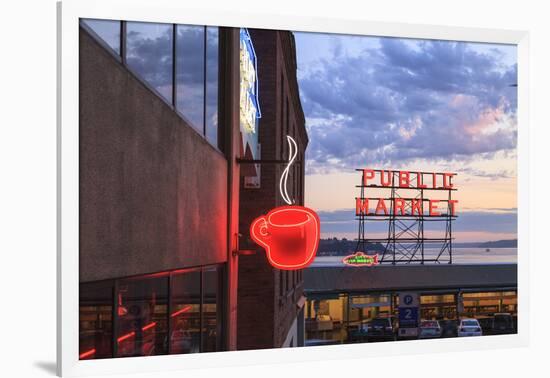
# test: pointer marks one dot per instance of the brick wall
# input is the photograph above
(267, 297)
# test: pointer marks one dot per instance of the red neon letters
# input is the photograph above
(290, 236)
(403, 206)
(407, 179)
(416, 206)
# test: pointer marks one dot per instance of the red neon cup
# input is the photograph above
(290, 236)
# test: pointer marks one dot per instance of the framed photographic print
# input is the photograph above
(270, 188)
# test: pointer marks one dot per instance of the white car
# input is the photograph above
(429, 329)
(469, 327)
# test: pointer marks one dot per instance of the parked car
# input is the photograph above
(469, 327)
(382, 329)
(429, 329)
(449, 328)
(503, 323)
(486, 323)
(358, 333)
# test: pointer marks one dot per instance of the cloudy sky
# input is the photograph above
(409, 104)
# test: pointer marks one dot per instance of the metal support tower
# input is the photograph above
(406, 241)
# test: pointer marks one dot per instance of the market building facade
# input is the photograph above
(342, 302)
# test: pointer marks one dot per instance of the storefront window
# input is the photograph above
(96, 320)
(326, 318)
(367, 307)
(146, 321)
(438, 307)
(141, 311)
(211, 310)
(107, 30)
(190, 67)
(212, 79)
(489, 303)
(185, 312)
(149, 54)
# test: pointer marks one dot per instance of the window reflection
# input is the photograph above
(149, 54)
(190, 69)
(107, 30)
(212, 72)
(210, 310)
(142, 307)
(177, 312)
(185, 312)
(96, 320)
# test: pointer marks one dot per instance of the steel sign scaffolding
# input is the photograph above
(407, 239)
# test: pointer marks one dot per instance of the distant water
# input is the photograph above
(460, 256)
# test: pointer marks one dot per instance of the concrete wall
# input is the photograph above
(153, 192)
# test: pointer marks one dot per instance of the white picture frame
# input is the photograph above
(69, 13)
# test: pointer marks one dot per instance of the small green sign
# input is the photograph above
(361, 259)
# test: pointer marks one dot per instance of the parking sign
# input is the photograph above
(409, 314)
(408, 299)
(408, 317)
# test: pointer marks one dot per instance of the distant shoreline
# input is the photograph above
(461, 255)
(343, 247)
(512, 243)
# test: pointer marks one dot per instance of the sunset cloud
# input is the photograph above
(397, 101)
(410, 104)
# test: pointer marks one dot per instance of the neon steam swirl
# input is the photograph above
(283, 183)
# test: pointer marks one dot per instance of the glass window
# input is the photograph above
(212, 73)
(190, 67)
(438, 299)
(326, 319)
(185, 312)
(107, 30)
(149, 54)
(96, 320)
(211, 310)
(141, 310)
(144, 315)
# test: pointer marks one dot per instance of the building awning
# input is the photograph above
(367, 305)
(319, 281)
(323, 296)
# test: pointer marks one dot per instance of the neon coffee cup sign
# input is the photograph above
(289, 234)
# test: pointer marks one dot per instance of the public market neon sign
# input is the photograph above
(405, 206)
(289, 234)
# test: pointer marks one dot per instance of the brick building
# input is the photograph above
(270, 301)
